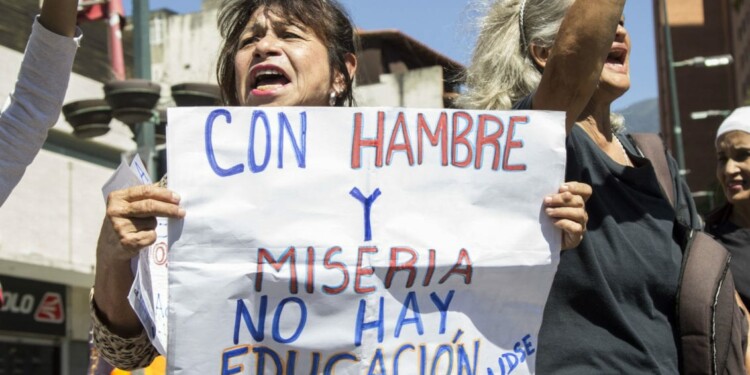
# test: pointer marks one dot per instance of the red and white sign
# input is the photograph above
(32, 306)
(51, 309)
(360, 240)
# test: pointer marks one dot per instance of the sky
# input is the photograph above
(448, 26)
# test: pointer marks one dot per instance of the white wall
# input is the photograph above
(422, 88)
(186, 50)
(53, 216)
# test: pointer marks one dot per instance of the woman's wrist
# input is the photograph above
(59, 16)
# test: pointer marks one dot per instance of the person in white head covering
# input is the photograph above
(730, 224)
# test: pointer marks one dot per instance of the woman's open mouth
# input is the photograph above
(267, 79)
(616, 59)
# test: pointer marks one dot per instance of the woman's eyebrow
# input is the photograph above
(284, 24)
(255, 27)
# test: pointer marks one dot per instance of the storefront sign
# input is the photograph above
(32, 306)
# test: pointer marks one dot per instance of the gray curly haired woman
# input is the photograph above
(611, 308)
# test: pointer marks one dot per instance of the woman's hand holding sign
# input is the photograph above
(568, 209)
(130, 225)
(132, 213)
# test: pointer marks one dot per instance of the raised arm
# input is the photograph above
(59, 16)
(35, 103)
(571, 69)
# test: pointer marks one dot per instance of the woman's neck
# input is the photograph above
(595, 121)
(740, 215)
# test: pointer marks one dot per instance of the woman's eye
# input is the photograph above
(248, 41)
(290, 35)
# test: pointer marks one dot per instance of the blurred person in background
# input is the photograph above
(730, 224)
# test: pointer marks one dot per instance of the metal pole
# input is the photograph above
(146, 137)
(116, 55)
(676, 123)
(141, 39)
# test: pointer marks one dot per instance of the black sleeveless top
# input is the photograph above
(611, 308)
(737, 241)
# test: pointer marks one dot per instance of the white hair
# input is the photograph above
(502, 71)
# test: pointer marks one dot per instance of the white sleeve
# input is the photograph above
(35, 104)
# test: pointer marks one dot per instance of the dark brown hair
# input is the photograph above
(326, 18)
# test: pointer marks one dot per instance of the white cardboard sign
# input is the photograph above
(360, 240)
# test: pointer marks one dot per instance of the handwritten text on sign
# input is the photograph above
(360, 241)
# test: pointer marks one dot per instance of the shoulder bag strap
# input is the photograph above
(652, 147)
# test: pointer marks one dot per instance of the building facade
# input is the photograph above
(702, 28)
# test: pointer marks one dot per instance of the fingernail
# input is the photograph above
(547, 199)
(181, 212)
(548, 210)
(564, 187)
(175, 196)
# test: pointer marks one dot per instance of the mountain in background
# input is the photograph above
(642, 117)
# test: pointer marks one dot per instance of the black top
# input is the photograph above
(611, 308)
(737, 241)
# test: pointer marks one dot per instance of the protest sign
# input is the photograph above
(360, 240)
